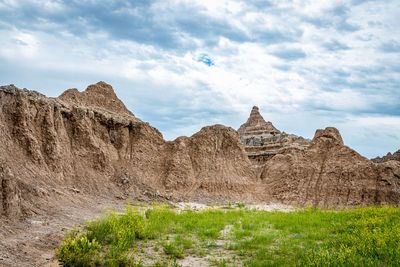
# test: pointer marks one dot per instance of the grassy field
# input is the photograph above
(159, 235)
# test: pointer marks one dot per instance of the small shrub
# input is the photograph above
(173, 250)
(185, 243)
(77, 250)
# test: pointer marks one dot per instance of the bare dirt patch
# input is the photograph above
(32, 242)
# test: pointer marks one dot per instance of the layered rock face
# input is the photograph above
(262, 140)
(330, 174)
(90, 143)
(389, 156)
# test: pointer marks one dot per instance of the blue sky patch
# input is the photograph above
(206, 60)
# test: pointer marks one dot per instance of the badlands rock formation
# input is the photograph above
(330, 174)
(262, 140)
(88, 143)
(64, 158)
(389, 156)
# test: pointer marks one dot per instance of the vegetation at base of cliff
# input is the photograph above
(162, 236)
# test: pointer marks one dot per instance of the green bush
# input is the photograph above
(173, 250)
(77, 250)
(115, 232)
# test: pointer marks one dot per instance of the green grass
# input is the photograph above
(160, 236)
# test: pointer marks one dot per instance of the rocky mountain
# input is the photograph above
(389, 156)
(330, 174)
(262, 140)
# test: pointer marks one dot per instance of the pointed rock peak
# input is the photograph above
(257, 125)
(255, 116)
(100, 95)
(255, 110)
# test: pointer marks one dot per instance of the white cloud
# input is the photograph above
(293, 59)
(20, 44)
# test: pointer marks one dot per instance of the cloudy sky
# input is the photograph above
(182, 64)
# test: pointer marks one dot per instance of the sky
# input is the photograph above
(182, 65)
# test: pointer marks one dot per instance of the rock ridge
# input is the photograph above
(389, 156)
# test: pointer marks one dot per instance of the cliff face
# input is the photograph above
(90, 143)
(49, 145)
(10, 194)
(330, 174)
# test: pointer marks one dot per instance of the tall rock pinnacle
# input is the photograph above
(262, 140)
(256, 125)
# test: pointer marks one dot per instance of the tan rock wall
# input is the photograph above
(330, 174)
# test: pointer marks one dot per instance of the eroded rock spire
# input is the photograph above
(262, 140)
(257, 125)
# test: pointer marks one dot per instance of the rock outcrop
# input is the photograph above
(330, 174)
(389, 156)
(90, 143)
(262, 140)
(256, 125)
(212, 162)
(99, 96)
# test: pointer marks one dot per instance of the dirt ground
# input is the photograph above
(32, 242)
